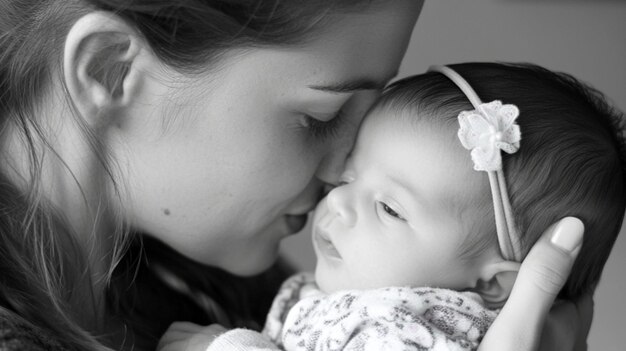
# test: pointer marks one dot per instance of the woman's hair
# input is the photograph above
(42, 264)
(571, 160)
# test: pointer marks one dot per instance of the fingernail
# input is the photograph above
(568, 233)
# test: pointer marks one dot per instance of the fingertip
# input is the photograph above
(567, 234)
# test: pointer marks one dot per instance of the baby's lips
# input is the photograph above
(325, 244)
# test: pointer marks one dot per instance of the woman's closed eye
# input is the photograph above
(390, 211)
(322, 129)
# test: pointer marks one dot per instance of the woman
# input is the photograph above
(211, 126)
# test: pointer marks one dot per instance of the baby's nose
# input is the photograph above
(340, 203)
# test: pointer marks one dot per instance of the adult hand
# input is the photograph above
(543, 273)
(189, 337)
(567, 325)
(584, 309)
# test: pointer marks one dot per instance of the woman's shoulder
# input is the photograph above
(16, 334)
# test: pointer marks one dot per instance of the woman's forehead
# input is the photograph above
(355, 52)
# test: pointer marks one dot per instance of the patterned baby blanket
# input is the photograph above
(394, 318)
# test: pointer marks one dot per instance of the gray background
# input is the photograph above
(586, 38)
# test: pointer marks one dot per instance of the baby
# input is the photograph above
(454, 175)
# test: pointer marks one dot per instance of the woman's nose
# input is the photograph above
(308, 198)
(331, 166)
(340, 203)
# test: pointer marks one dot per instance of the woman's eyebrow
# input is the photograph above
(352, 85)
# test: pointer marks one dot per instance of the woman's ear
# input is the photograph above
(496, 282)
(99, 64)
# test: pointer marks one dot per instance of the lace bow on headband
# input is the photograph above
(486, 130)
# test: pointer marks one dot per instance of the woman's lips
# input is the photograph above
(325, 245)
(295, 223)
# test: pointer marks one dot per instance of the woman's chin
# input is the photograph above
(250, 264)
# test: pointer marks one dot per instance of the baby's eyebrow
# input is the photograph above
(398, 183)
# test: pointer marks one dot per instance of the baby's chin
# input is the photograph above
(329, 284)
(322, 281)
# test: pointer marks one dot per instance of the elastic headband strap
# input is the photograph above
(508, 239)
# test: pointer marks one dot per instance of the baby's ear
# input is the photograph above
(496, 282)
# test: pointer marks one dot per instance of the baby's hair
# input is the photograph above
(571, 162)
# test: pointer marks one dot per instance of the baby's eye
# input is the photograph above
(390, 211)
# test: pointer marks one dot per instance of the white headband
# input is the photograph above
(486, 130)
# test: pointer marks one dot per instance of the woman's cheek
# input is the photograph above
(301, 157)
